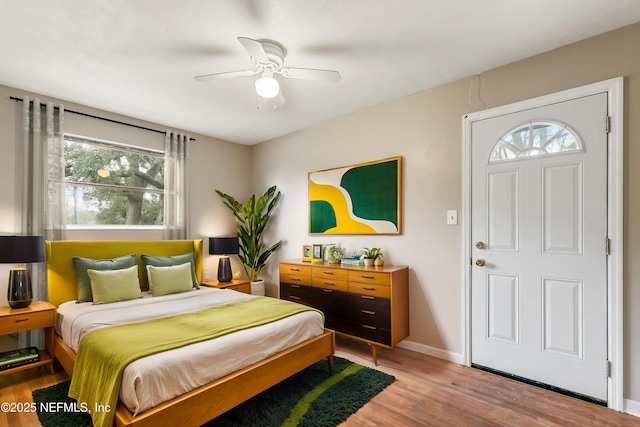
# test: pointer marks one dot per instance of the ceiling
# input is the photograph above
(139, 58)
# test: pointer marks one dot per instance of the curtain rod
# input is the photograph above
(103, 118)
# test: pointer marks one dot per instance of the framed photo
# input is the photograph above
(317, 252)
(365, 198)
(307, 252)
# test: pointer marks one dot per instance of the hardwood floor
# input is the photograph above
(427, 392)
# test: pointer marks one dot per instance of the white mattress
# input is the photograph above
(152, 380)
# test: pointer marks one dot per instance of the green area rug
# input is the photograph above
(312, 397)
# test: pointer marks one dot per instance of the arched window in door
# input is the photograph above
(535, 139)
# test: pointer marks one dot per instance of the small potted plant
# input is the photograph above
(370, 255)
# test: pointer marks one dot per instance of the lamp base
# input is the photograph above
(224, 269)
(19, 291)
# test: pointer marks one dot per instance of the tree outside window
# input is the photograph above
(110, 184)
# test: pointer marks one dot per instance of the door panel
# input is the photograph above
(539, 299)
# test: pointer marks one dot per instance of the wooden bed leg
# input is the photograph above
(330, 362)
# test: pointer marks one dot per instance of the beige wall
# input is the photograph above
(426, 129)
(213, 164)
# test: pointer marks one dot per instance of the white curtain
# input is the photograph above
(176, 190)
(43, 203)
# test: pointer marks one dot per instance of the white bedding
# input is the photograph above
(152, 380)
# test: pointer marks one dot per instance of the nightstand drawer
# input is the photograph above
(245, 288)
(25, 321)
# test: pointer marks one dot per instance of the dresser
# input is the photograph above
(370, 304)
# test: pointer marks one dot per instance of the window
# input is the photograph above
(108, 183)
(535, 139)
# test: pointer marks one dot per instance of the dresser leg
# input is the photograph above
(375, 354)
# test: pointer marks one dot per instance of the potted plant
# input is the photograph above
(370, 255)
(252, 219)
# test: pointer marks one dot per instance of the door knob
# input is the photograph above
(480, 245)
(480, 262)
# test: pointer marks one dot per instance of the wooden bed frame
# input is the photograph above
(206, 402)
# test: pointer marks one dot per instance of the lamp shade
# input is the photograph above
(21, 249)
(223, 245)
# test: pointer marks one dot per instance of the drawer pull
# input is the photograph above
(369, 327)
(368, 312)
(328, 290)
(295, 286)
(295, 279)
(368, 289)
(329, 283)
(21, 320)
(367, 297)
(368, 277)
(294, 297)
(328, 272)
(294, 269)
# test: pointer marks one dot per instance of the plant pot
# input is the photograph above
(378, 262)
(368, 262)
(257, 287)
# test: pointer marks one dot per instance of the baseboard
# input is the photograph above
(632, 407)
(432, 351)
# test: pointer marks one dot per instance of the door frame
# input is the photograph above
(615, 336)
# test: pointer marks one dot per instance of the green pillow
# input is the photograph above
(114, 285)
(83, 264)
(168, 261)
(170, 280)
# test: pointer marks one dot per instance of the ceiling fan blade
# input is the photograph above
(207, 77)
(328, 76)
(255, 49)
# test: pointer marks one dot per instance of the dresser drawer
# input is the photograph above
(298, 270)
(295, 279)
(25, 321)
(330, 273)
(329, 283)
(370, 289)
(369, 277)
(362, 330)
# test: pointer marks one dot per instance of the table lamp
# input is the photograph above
(224, 246)
(19, 250)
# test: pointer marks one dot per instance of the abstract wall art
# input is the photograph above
(365, 198)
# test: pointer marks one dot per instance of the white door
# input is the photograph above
(539, 225)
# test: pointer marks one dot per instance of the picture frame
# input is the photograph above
(307, 253)
(317, 252)
(365, 198)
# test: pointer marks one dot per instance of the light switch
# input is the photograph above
(452, 217)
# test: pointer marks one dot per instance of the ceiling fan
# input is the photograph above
(268, 59)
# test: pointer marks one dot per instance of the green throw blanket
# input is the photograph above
(104, 353)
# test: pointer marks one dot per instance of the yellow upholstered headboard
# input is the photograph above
(62, 281)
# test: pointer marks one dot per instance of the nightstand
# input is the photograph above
(234, 285)
(39, 314)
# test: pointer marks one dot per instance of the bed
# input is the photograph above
(216, 395)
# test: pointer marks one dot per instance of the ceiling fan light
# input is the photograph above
(267, 87)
